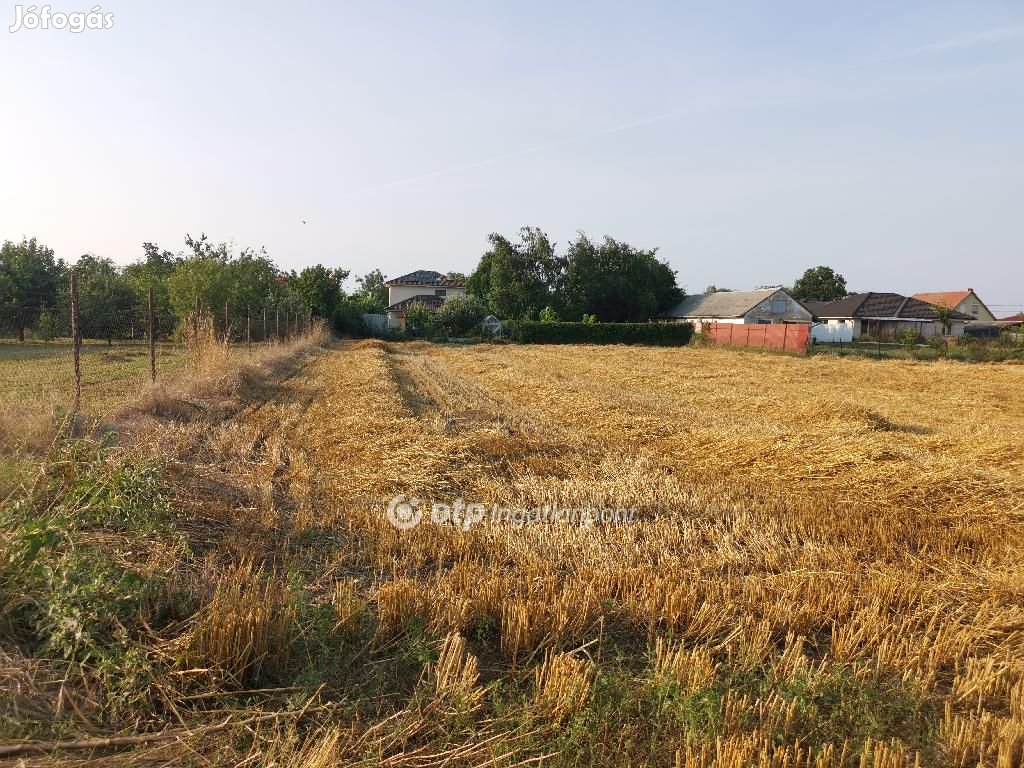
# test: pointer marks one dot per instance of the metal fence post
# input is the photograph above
(152, 338)
(248, 329)
(277, 326)
(226, 320)
(76, 343)
(264, 322)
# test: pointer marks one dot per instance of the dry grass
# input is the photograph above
(825, 568)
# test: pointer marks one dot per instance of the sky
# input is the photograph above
(745, 141)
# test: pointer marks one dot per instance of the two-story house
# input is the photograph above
(966, 302)
(424, 286)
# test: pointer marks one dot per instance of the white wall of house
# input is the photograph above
(921, 327)
(833, 331)
(397, 293)
(780, 307)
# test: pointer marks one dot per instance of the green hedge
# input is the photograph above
(655, 334)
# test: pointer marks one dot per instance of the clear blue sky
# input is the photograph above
(746, 141)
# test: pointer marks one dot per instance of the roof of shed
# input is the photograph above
(720, 304)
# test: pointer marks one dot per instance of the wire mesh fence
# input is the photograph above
(86, 357)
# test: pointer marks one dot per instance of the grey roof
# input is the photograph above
(432, 303)
(720, 304)
(426, 277)
(880, 306)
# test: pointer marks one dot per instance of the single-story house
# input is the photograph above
(880, 315)
(766, 306)
(962, 301)
(1018, 318)
(424, 286)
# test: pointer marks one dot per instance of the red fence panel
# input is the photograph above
(786, 337)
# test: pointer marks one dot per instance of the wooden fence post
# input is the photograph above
(76, 343)
(195, 322)
(152, 338)
(265, 323)
(277, 331)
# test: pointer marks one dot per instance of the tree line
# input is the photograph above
(608, 280)
(208, 276)
(521, 278)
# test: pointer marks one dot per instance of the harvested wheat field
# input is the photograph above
(823, 567)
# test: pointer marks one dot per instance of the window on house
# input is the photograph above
(440, 292)
(974, 309)
(779, 306)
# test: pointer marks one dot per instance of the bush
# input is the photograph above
(460, 315)
(909, 338)
(348, 318)
(419, 320)
(548, 315)
(657, 334)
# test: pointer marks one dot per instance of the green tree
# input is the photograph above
(153, 271)
(820, 284)
(516, 280)
(252, 283)
(548, 315)
(319, 288)
(459, 315)
(944, 315)
(214, 278)
(30, 279)
(616, 282)
(372, 293)
(419, 320)
(106, 300)
(715, 289)
(201, 281)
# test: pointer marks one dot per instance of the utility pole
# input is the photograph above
(76, 343)
(152, 338)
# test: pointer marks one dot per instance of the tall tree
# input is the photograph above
(372, 293)
(616, 282)
(106, 300)
(319, 288)
(31, 279)
(214, 277)
(820, 284)
(153, 272)
(517, 280)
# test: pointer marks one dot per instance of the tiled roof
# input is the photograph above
(950, 299)
(880, 306)
(432, 302)
(720, 304)
(426, 277)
